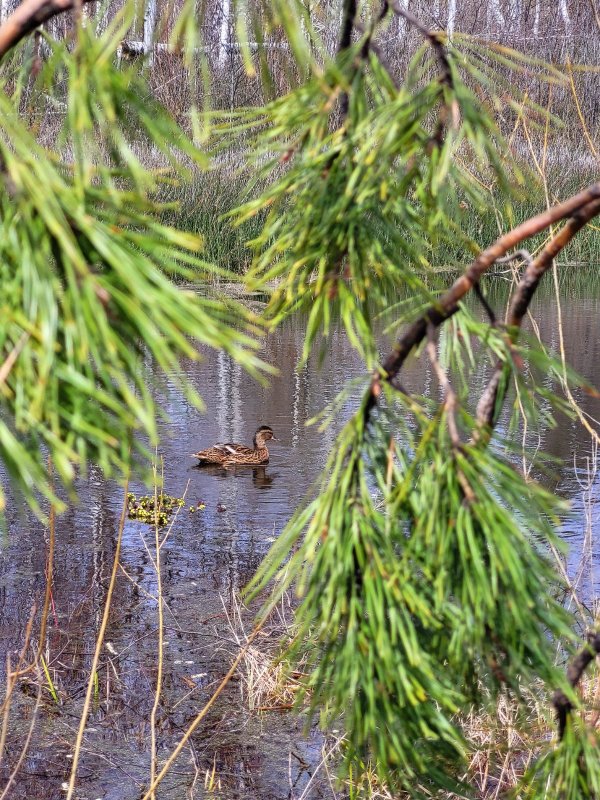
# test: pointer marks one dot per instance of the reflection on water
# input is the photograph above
(262, 477)
(208, 558)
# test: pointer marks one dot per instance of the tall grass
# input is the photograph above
(202, 206)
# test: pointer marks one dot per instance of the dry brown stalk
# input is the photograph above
(575, 671)
(523, 295)
(49, 572)
(11, 358)
(13, 675)
(200, 716)
(30, 730)
(161, 626)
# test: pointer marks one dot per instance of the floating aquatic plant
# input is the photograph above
(153, 509)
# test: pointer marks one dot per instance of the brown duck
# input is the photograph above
(230, 454)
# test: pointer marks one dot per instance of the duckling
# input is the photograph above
(230, 454)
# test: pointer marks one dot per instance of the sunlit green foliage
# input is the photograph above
(356, 203)
(421, 565)
(89, 275)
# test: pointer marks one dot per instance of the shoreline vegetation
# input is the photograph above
(204, 206)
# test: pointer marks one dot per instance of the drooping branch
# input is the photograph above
(28, 16)
(523, 295)
(435, 39)
(575, 670)
(348, 16)
(450, 401)
(580, 208)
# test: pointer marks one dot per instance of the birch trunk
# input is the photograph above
(149, 27)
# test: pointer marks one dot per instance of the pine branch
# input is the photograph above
(28, 16)
(435, 39)
(523, 296)
(575, 671)
(580, 209)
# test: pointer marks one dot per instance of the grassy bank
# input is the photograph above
(203, 205)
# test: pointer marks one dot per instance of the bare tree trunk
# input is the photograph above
(401, 23)
(224, 31)
(564, 12)
(149, 28)
(496, 14)
(451, 17)
(536, 19)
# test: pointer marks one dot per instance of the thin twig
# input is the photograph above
(200, 716)
(436, 40)
(159, 674)
(12, 676)
(449, 394)
(28, 738)
(49, 567)
(484, 302)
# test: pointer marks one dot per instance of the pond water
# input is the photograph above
(208, 558)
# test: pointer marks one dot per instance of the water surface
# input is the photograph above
(208, 558)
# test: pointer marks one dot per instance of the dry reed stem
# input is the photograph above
(98, 648)
(200, 716)
(25, 748)
(267, 685)
(159, 674)
(11, 681)
(11, 358)
(541, 168)
(584, 127)
(49, 568)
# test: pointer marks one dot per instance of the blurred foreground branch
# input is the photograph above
(575, 671)
(28, 16)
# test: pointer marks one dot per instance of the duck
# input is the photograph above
(230, 454)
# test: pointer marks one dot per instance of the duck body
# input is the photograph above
(230, 453)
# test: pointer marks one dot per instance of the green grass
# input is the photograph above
(484, 226)
(203, 206)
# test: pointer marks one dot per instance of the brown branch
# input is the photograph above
(371, 46)
(348, 16)
(447, 305)
(484, 302)
(449, 394)
(28, 16)
(438, 43)
(522, 297)
(575, 670)
(349, 23)
(435, 39)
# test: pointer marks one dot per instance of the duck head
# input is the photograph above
(262, 436)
